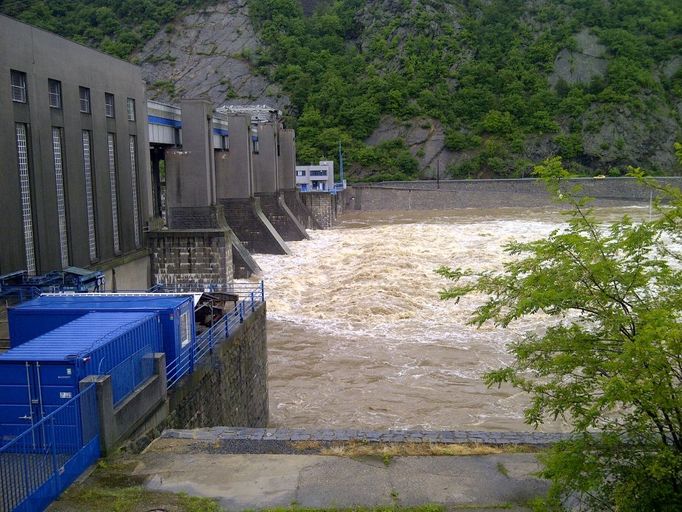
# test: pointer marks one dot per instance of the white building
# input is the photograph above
(319, 177)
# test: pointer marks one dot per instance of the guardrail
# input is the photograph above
(203, 344)
(128, 375)
(242, 290)
(37, 465)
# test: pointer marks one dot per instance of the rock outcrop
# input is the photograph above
(208, 53)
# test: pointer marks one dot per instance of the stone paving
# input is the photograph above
(259, 436)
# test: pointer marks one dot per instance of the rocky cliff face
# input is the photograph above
(208, 53)
(211, 52)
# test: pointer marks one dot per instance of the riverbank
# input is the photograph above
(200, 474)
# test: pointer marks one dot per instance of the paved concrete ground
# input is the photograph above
(256, 481)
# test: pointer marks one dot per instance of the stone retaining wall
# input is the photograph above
(245, 439)
(228, 387)
(453, 194)
(191, 257)
(325, 207)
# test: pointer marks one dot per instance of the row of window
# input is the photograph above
(22, 145)
(54, 91)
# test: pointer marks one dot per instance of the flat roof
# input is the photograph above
(78, 337)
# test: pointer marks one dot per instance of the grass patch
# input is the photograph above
(389, 450)
(113, 487)
(429, 507)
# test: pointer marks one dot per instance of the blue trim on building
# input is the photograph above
(164, 121)
(220, 131)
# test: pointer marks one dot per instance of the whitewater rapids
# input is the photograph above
(358, 338)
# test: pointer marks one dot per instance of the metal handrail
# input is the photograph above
(205, 342)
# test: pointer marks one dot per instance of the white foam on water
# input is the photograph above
(359, 338)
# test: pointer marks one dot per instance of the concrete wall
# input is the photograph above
(133, 274)
(249, 223)
(325, 207)
(231, 386)
(234, 173)
(287, 159)
(117, 423)
(265, 162)
(300, 210)
(190, 180)
(191, 257)
(490, 193)
(42, 56)
(281, 217)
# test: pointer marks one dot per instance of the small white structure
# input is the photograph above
(315, 178)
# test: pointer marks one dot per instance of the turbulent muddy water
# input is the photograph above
(358, 337)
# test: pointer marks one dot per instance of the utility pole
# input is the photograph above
(340, 163)
(438, 174)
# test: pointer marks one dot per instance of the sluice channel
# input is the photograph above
(357, 335)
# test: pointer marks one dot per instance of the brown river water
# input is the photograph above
(358, 338)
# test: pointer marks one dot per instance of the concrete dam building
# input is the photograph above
(73, 139)
(83, 182)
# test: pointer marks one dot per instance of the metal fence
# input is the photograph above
(39, 464)
(128, 375)
(251, 297)
(242, 290)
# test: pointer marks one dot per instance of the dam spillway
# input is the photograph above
(358, 337)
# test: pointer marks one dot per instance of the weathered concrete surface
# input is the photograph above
(243, 482)
(273, 440)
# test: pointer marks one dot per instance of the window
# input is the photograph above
(84, 93)
(225, 142)
(254, 141)
(55, 93)
(111, 147)
(300, 173)
(184, 329)
(89, 195)
(318, 173)
(18, 80)
(131, 109)
(25, 189)
(109, 105)
(57, 137)
(133, 178)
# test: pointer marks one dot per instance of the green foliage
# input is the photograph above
(117, 27)
(488, 76)
(610, 359)
(570, 146)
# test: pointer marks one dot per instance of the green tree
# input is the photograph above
(610, 359)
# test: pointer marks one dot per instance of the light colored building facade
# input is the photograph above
(315, 178)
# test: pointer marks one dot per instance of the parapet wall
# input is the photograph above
(453, 194)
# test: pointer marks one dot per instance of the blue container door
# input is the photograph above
(29, 392)
(58, 385)
(21, 407)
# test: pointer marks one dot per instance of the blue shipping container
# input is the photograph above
(42, 374)
(40, 315)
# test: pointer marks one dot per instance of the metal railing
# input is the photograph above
(37, 465)
(204, 343)
(242, 290)
(129, 374)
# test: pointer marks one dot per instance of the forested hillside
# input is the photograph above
(476, 88)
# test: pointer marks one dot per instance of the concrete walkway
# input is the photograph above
(257, 481)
